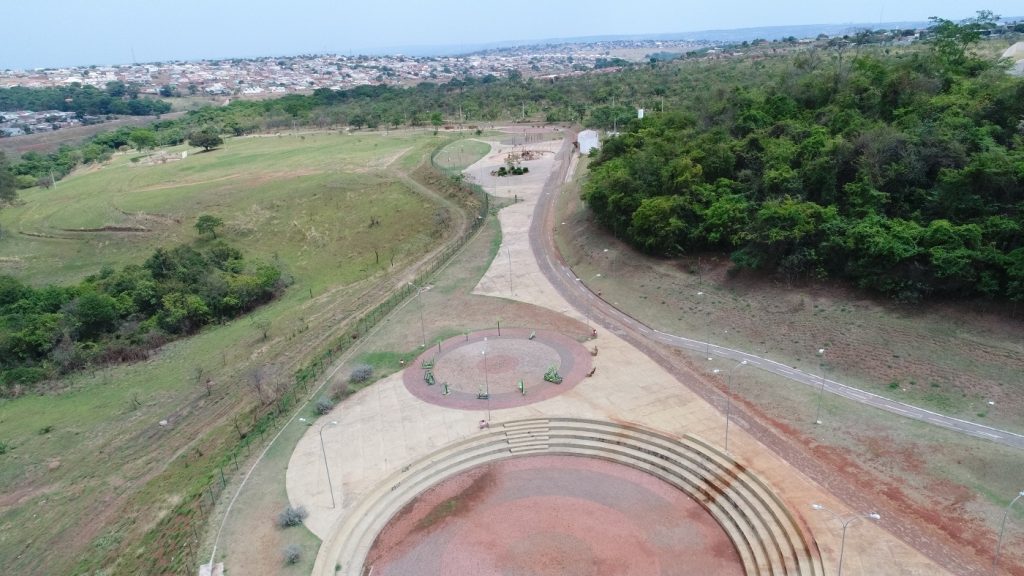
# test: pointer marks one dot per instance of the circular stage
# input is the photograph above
(553, 515)
(482, 370)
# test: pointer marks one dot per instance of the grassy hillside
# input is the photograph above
(90, 470)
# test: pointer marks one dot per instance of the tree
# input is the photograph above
(142, 138)
(207, 224)
(207, 139)
(436, 120)
(8, 182)
(951, 40)
(166, 91)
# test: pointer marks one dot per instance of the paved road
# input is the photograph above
(576, 292)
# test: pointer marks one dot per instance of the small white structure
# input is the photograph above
(640, 113)
(1015, 52)
(587, 141)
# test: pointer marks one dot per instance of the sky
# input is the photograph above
(53, 33)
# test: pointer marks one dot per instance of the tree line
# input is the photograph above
(117, 98)
(120, 315)
(903, 172)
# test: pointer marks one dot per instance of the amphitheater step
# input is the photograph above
(528, 449)
(528, 439)
(765, 533)
(526, 423)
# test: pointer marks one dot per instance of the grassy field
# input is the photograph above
(92, 469)
(948, 358)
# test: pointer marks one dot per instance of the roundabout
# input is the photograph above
(483, 370)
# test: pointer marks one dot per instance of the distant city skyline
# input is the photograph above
(55, 33)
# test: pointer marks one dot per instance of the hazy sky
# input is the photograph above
(42, 33)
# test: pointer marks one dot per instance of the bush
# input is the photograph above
(361, 373)
(4, 448)
(292, 553)
(323, 406)
(292, 516)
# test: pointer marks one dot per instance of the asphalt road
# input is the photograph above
(611, 318)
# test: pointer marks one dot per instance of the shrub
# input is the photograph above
(4, 448)
(361, 373)
(292, 553)
(323, 406)
(291, 516)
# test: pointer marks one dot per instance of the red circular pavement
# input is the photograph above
(553, 515)
(489, 362)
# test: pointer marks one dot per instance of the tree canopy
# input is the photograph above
(207, 139)
(118, 98)
(118, 315)
(903, 173)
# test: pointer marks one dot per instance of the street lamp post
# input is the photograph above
(423, 330)
(846, 523)
(821, 391)
(590, 297)
(707, 330)
(728, 401)
(487, 385)
(1002, 526)
(326, 467)
(508, 252)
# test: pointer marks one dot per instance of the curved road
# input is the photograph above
(572, 289)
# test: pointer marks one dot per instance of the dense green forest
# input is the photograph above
(903, 173)
(117, 98)
(119, 315)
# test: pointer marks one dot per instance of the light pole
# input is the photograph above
(728, 401)
(821, 391)
(423, 330)
(508, 252)
(707, 330)
(326, 467)
(1002, 526)
(487, 385)
(846, 523)
(590, 297)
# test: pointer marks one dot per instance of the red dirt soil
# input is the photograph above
(553, 515)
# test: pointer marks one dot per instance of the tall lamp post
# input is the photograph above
(728, 401)
(487, 385)
(508, 252)
(707, 330)
(845, 521)
(821, 391)
(590, 297)
(326, 467)
(423, 330)
(1002, 526)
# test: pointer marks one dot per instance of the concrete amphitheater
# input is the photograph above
(395, 441)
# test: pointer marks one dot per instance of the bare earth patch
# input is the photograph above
(553, 515)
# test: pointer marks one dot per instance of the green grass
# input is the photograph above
(461, 154)
(304, 203)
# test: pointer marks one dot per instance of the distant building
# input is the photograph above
(587, 140)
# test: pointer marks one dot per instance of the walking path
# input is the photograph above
(384, 428)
